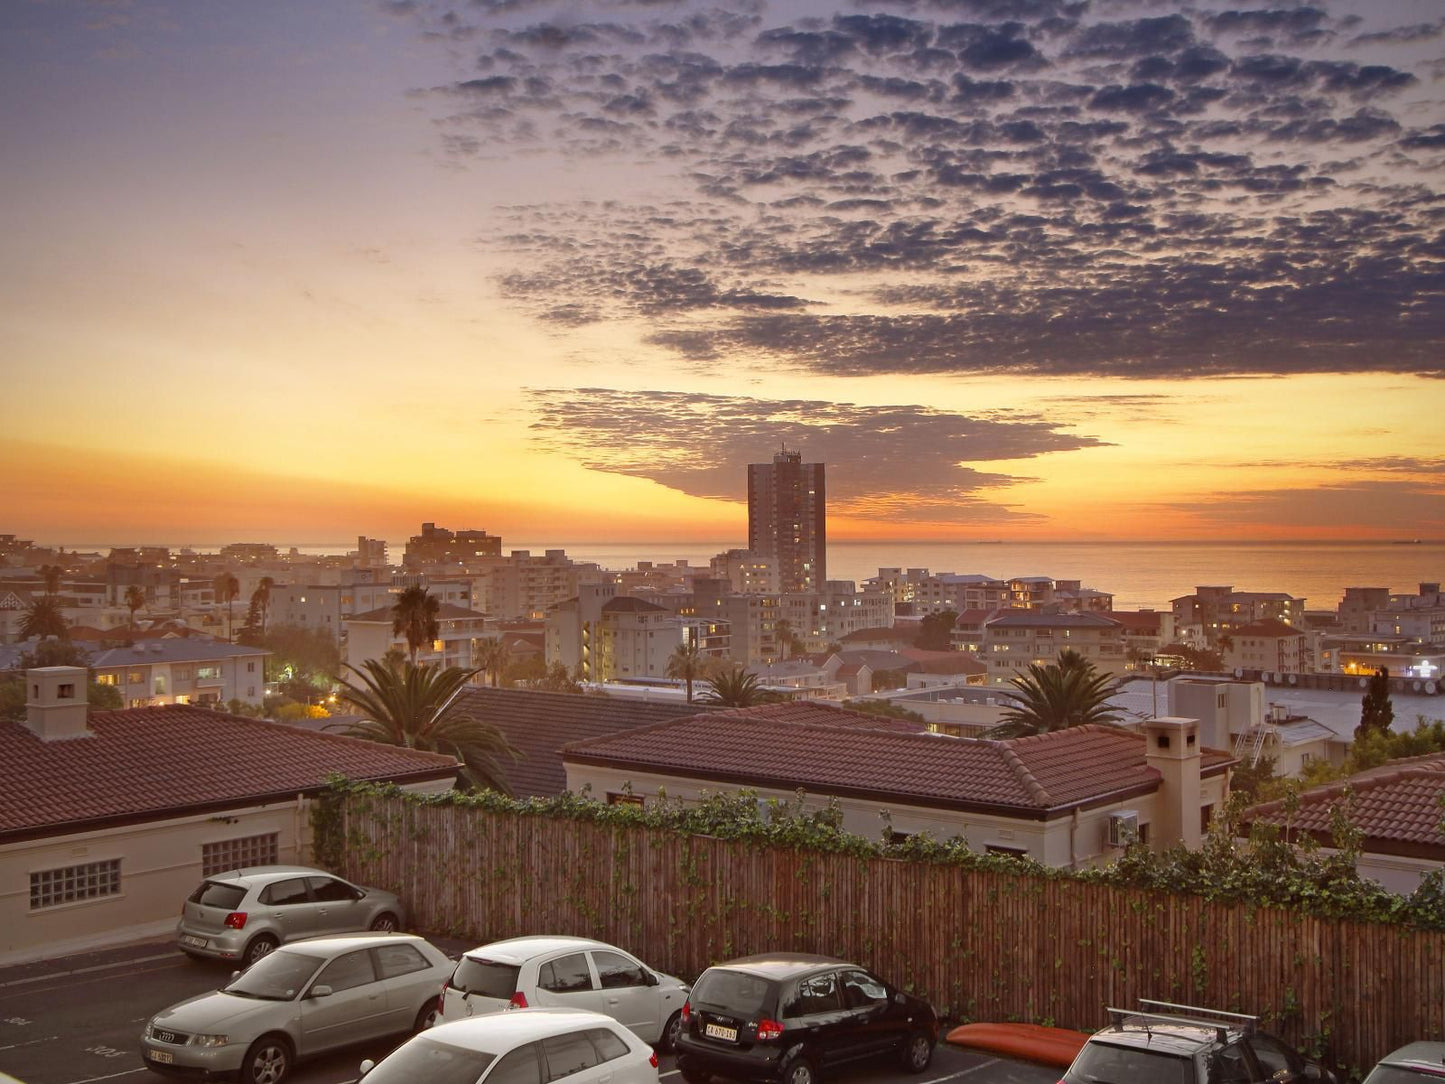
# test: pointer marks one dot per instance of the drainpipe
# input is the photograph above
(1073, 834)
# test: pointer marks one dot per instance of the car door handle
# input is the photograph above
(612, 1000)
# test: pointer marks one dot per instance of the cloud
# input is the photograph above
(895, 462)
(1037, 186)
(1410, 509)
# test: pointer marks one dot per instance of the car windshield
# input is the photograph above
(739, 993)
(214, 894)
(1100, 1063)
(277, 977)
(475, 975)
(437, 1063)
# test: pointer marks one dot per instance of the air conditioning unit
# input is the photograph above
(1123, 827)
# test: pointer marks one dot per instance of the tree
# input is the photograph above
(50, 576)
(686, 663)
(492, 655)
(44, 618)
(1376, 711)
(416, 708)
(135, 598)
(228, 588)
(414, 617)
(935, 631)
(789, 642)
(734, 688)
(1066, 693)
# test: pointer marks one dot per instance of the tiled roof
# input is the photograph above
(1033, 777)
(942, 662)
(1031, 619)
(1137, 619)
(147, 763)
(632, 604)
(868, 636)
(1267, 626)
(1396, 806)
(173, 649)
(538, 724)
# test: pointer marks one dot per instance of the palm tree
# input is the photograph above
(43, 619)
(135, 598)
(1069, 692)
(788, 640)
(415, 707)
(262, 594)
(415, 617)
(50, 576)
(734, 688)
(491, 654)
(227, 590)
(686, 662)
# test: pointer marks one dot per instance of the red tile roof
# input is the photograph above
(1397, 806)
(1137, 619)
(1036, 777)
(150, 763)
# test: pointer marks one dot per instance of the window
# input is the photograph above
(819, 994)
(71, 884)
(614, 970)
(394, 960)
(237, 853)
(568, 1054)
(250, 668)
(208, 671)
(608, 1043)
(330, 890)
(347, 972)
(65, 691)
(519, 1067)
(107, 679)
(136, 677)
(565, 975)
(285, 893)
(861, 990)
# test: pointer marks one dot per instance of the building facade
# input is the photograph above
(787, 519)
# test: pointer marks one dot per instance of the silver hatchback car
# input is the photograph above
(243, 914)
(303, 999)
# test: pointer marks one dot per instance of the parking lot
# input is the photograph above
(78, 1021)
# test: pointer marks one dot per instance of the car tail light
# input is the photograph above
(442, 998)
(769, 1029)
(519, 1001)
(686, 1012)
(653, 1059)
(236, 920)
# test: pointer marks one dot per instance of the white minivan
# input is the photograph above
(566, 972)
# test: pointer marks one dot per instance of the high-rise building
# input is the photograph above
(787, 519)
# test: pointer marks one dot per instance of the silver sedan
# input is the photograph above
(303, 999)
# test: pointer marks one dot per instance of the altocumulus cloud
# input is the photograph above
(895, 462)
(1050, 187)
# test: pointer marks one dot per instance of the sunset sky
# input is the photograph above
(1014, 269)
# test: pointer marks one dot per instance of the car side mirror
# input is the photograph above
(321, 990)
(651, 979)
(366, 1066)
(235, 975)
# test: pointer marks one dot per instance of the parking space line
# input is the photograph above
(90, 970)
(963, 1072)
(112, 1076)
(29, 1042)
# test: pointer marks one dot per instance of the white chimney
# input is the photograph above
(55, 705)
(1172, 749)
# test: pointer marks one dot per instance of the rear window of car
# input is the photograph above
(1098, 1063)
(734, 991)
(1393, 1074)
(214, 894)
(437, 1063)
(485, 977)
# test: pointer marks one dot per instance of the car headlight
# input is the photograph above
(210, 1040)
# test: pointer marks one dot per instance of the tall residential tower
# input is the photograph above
(787, 519)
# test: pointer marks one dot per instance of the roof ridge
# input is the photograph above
(1021, 771)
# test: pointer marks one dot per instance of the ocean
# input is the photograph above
(1138, 574)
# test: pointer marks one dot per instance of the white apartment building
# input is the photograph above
(152, 673)
(1016, 638)
(369, 636)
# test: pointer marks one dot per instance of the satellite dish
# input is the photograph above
(1239, 671)
(1430, 687)
(1294, 679)
(1364, 683)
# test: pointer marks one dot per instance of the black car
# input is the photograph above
(790, 1017)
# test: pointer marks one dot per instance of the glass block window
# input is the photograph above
(236, 853)
(87, 881)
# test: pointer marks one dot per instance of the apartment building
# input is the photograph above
(1015, 638)
(1215, 611)
(152, 673)
(787, 519)
(369, 635)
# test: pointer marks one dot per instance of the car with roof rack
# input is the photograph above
(1167, 1043)
(1413, 1063)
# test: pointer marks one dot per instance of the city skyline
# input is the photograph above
(1040, 270)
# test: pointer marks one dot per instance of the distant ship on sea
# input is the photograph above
(1407, 542)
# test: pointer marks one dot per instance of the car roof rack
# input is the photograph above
(1150, 1013)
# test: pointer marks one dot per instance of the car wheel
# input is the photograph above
(256, 948)
(384, 923)
(691, 1073)
(799, 1071)
(916, 1052)
(267, 1062)
(427, 1017)
(670, 1032)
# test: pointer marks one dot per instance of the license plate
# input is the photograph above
(198, 942)
(717, 1031)
(162, 1056)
